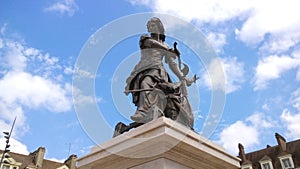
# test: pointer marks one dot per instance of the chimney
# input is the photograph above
(281, 142)
(242, 152)
(71, 161)
(38, 157)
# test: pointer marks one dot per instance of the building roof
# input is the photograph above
(29, 161)
(272, 153)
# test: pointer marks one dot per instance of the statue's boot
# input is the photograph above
(139, 117)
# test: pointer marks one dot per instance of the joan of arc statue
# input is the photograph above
(151, 87)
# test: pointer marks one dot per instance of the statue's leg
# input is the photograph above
(143, 103)
(158, 101)
(151, 103)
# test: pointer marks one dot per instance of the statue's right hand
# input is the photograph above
(190, 81)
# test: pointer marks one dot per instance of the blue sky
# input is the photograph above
(257, 45)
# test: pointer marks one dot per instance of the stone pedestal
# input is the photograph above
(159, 144)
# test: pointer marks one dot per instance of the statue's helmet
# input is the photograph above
(155, 25)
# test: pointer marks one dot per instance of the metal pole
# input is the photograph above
(7, 141)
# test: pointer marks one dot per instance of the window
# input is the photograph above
(286, 161)
(266, 163)
(266, 166)
(248, 166)
(5, 167)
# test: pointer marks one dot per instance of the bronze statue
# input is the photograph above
(151, 87)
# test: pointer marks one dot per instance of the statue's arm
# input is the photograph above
(170, 55)
(170, 60)
(151, 43)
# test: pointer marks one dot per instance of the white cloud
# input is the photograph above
(63, 7)
(276, 19)
(57, 160)
(259, 121)
(20, 86)
(292, 122)
(246, 132)
(33, 91)
(272, 67)
(292, 119)
(298, 75)
(218, 40)
(239, 132)
(83, 73)
(281, 42)
(68, 70)
(3, 28)
(214, 78)
(266, 107)
(14, 56)
(234, 74)
(204, 10)
(28, 81)
(15, 146)
(8, 113)
(296, 99)
(258, 18)
(233, 71)
(80, 99)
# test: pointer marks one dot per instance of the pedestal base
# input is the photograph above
(159, 144)
(161, 163)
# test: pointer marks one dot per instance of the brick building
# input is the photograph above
(282, 156)
(35, 160)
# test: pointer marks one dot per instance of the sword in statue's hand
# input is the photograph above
(186, 81)
(176, 51)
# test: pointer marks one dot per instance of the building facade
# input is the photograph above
(35, 160)
(285, 155)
